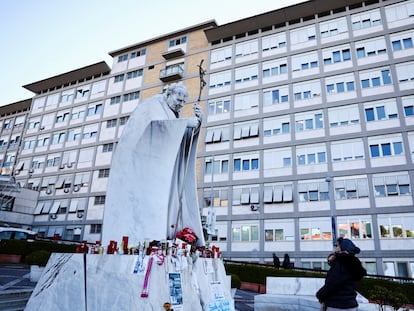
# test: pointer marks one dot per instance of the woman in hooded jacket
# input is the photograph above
(339, 291)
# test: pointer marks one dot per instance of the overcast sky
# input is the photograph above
(44, 38)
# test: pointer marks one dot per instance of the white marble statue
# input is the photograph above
(152, 183)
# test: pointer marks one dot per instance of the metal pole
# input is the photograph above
(331, 208)
(210, 207)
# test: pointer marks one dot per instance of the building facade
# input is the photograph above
(308, 118)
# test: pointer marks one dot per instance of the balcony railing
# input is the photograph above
(172, 73)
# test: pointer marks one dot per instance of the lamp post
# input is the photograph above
(211, 212)
(328, 179)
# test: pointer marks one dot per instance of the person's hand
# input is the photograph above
(197, 112)
(193, 122)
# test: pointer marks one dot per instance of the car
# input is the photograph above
(10, 233)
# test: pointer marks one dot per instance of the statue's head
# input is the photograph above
(176, 95)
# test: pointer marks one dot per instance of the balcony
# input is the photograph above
(172, 73)
(173, 54)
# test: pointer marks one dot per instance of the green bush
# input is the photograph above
(257, 274)
(235, 281)
(24, 248)
(39, 258)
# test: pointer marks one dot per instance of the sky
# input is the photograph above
(43, 38)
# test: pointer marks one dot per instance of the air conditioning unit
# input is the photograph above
(66, 190)
(53, 216)
(48, 191)
(31, 171)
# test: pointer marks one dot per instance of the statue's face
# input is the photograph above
(176, 101)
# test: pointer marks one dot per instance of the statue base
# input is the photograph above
(116, 282)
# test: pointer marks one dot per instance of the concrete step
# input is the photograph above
(14, 300)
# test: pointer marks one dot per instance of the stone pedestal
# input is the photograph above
(295, 293)
(113, 283)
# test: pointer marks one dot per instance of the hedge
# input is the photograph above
(258, 274)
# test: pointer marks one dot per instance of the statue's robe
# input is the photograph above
(152, 166)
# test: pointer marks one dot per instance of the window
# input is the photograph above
(246, 74)
(278, 193)
(396, 226)
(352, 188)
(115, 100)
(303, 35)
(405, 72)
(371, 47)
(217, 198)
(246, 101)
(103, 173)
(246, 48)
(245, 164)
(274, 68)
(131, 96)
(221, 55)
(313, 191)
(245, 233)
(402, 41)
(382, 110)
(67, 96)
(375, 78)
(139, 53)
(53, 161)
(123, 120)
(366, 19)
(352, 227)
(95, 228)
(275, 126)
(62, 117)
(119, 78)
(177, 41)
(82, 92)
(220, 166)
(220, 80)
(111, 123)
(333, 27)
(383, 147)
(340, 84)
(122, 58)
(336, 56)
(219, 106)
(408, 104)
(108, 147)
(391, 185)
(99, 200)
(277, 158)
(276, 96)
(399, 12)
(245, 130)
(94, 109)
(274, 42)
(310, 155)
(134, 74)
(74, 134)
(306, 90)
(77, 114)
(309, 121)
(303, 62)
(347, 150)
(315, 229)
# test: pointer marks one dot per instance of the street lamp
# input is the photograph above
(211, 217)
(328, 179)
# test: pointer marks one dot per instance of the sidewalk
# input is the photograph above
(15, 277)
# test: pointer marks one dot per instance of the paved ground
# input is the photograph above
(15, 277)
